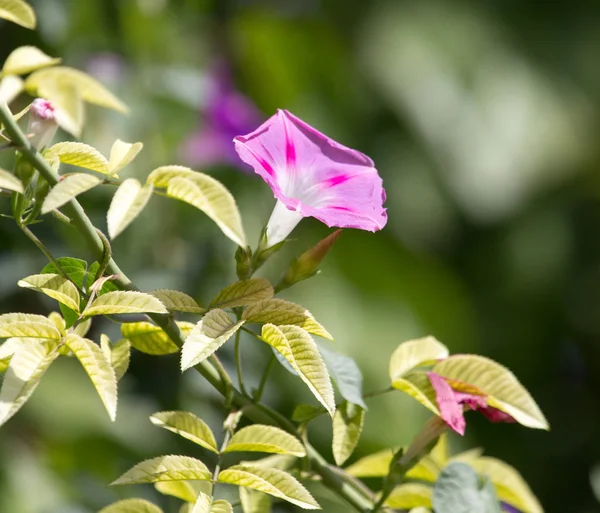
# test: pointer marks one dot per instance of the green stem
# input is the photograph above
(238, 363)
(375, 393)
(224, 377)
(41, 246)
(338, 483)
(263, 380)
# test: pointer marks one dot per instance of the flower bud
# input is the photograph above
(42, 123)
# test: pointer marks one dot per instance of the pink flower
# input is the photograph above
(452, 403)
(311, 175)
(42, 123)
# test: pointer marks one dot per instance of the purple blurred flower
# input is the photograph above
(311, 175)
(509, 508)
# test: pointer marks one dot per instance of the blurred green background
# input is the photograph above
(482, 118)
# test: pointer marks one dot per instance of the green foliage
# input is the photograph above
(259, 438)
(188, 426)
(68, 188)
(410, 495)
(415, 353)
(9, 182)
(254, 502)
(165, 468)
(243, 293)
(28, 325)
(118, 354)
(183, 490)
(55, 286)
(347, 427)
(177, 301)
(80, 155)
(127, 203)
(124, 302)
(151, 339)
(122, 154)
(132, 506)
(19, 12)
(26, 59)
(346, 374)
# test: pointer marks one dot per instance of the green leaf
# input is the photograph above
(132, 506)
(417, 385)
(55, 286)
(68, 188)
(74, 268)
(183, 490)
(221, 506)
(28, 326)
(373, 465)
(150, 339)
(347, 427)
(242, 293)
(27, 366)
(80, 155)
(10, 87)
(121, 155)
(68, 103)
(18, 12)
(7, 349)
(98, 368)
(177, 301)
(26, 59)
(414, 353)
(165, 468)
(411, 495)
(188, 426)
(300, 350)
(280, 312)
(458, 490)
(216, 328)
(124, 302)
(127, 203)
(118, 354)
(254, 502)
(497, 382)
(203, 503)
(85, 86)
(345, 374)
(304, 412)
(259, 438)
(9, 182)
(269, 480)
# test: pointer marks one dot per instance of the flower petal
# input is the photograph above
(451, 410)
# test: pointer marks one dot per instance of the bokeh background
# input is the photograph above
(482, 118)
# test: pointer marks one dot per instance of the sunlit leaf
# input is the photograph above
(347, 428)
(177, 301)
(300, 350)
(80, 155)
(10, 182)
(183, 490)
(124, 302)
(19, 12)
(259, 438)
(165, 468)
(203, 503)
(117, 354)
(346, 375)
(68, 103)
(216, 328)
(254, 502)
(68, 188)
(10, 87)
(417, 385)
(132, 506)
(28, 326)
(269, 480)
(415, 353)
(7, 349)
(242, 293)
(411, 495)
(55, 286)
(26, 59)
(221, 506)
(122, 154)
(373, 465)
(98, 368)
(127, 203)
(74, 268)
(188, 426)
(151, 339)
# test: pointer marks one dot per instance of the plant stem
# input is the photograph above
(41, 246)
(263, 380)
(238, 363)
(375, 393)
(224, 377)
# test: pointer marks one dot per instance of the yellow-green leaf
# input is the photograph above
(254, 502)
(127, 203)
(177, 301)
(221, 506)
(269, 480)
(27, 366)
(203, 503)
(80, 155)
(242, 293)
(150, 339)
(7, 349)
(188, 426)
(55, 286)
(10, 87)
(165, 468)
(27, 326)
(117, 354)
(280, 312)
(410, 495)
(300, 350)
(122, 154)
(68, 188)
(132, 506)
(87, 87)
(10, 182)
(216, 328)
(26, 59)
(417, 385)
(415, 353)
(98, 368)
(124, 302)
(260, 438)
(503, 389)
(347, 428)
(183, 490)
(67, 101)
(18, 12)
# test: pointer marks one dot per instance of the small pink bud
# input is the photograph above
(42, 123)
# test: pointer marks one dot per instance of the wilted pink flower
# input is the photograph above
(42, 123)
(311, 175)
(452, 403)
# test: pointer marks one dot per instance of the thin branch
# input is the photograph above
(263, 380)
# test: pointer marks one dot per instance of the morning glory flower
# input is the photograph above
(42, 123)
(452, 404)
(312, 175)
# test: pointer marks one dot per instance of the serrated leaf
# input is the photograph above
(183, 490)
(18, 12)
(414, 353)
(188, 426)
(67, 101)
(417, 385)
(206, 194)
(10, 87)
(347, 428)
(74, 268)
(305, 412)
(55, 286)
(27, 366)
(98, 368)
(254, 502)
(203, 503)
(124, 302)
(127, 203)
(132, 506)
(27, 326)
(345, 374)
(216, 328)
(280, 312)
(410, 495)
(117, 354)
(503, 389)
(9, 182)
(177, 301)
(260, 438)
(68, 188)
(269, 480)
(150, 339)
(87, 87)
(242, 293)
(122, 154)
(165, 468)
(7, 349)
(26, 59)
(221, 506)
(80, 155)
(300, 350)
(373, 465)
